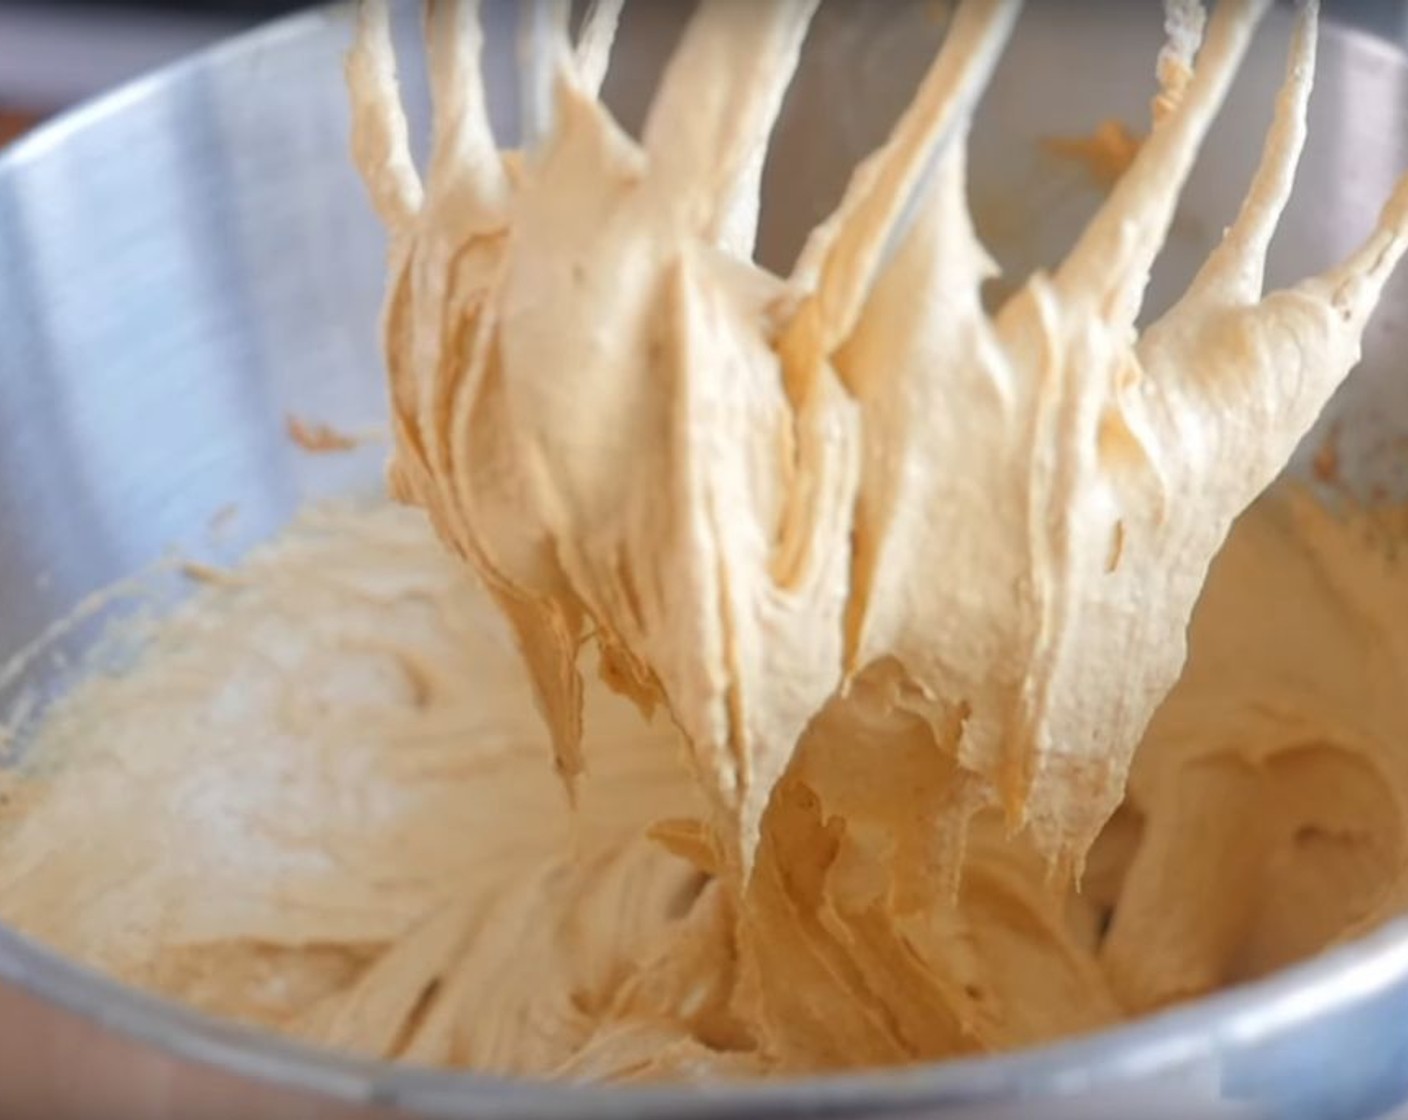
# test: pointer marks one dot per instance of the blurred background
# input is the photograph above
(54, 53)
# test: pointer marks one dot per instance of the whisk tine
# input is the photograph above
(1109, 266)
(1184, 24)
(708, 139)
(542, 50)
(1236, 269)
(380, 137)
(464, 156)
(844, 254)
(594, 44)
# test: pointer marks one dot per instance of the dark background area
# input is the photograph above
(54, 53)
(244, 8)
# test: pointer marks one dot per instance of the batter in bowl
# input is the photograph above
(900, 582)
(323, 803)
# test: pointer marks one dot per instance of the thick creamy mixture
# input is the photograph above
(754, 494)
(891, 563)
(323, 804)
(892, 588)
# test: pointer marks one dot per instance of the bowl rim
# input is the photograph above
(1184, 1039)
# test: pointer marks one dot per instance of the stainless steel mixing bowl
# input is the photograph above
(188, 261)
